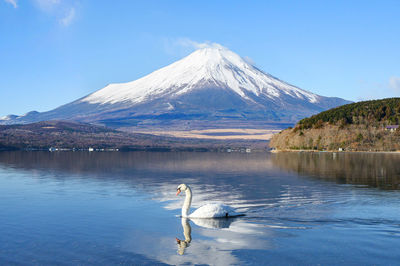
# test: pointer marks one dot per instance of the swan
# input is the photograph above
(213, 210)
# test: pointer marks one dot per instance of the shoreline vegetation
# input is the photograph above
(369, 126)
(329, 151)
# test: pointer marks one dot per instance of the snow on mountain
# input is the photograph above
(216, 65)
(8, 117)
(211, 87)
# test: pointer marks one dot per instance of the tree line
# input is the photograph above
(385, 111)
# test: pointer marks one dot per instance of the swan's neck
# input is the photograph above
(187, 202)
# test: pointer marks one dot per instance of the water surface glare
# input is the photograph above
(69, 208)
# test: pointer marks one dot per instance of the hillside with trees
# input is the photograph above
(363, 126)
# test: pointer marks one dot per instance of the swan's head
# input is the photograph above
(181, 187)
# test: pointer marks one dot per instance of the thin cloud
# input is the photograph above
(69, 17)
(12, 2)
(179, 47)
(185, 42)
(249, 60)
(63, 11)
(47, 5)
(371, 91)
(394, 84)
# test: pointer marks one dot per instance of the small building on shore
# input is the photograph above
(391, 128)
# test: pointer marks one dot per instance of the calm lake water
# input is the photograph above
(69, 208)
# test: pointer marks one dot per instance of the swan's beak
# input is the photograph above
(179, 191)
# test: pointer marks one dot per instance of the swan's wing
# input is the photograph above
(213, 211)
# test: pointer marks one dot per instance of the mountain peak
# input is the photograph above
(214, 55)
(210, 66)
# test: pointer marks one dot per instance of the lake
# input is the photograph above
(105, 208)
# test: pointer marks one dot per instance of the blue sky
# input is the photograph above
(55, 51)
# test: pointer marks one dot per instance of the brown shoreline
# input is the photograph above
(330, 151)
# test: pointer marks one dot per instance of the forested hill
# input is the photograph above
(362, 126)
(381, 111)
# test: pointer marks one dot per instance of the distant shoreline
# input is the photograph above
(72, 136)
(331, 151)
(222, 150)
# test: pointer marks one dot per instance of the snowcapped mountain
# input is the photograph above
(217, 67)
(211, 86)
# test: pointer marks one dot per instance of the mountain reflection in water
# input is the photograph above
(381, 170)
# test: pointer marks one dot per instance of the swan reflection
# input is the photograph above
(210, 223)
(187, 233)
(213, 223)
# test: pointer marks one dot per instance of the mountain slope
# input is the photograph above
(211, 86)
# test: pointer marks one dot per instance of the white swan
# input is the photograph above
(213, 210)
